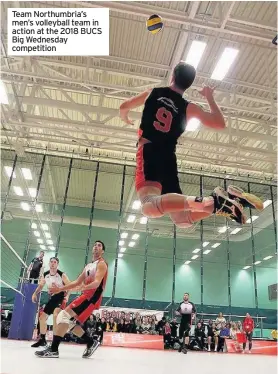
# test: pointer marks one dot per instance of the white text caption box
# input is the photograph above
(58, 31)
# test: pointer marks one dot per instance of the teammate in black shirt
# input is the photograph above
(164, 119)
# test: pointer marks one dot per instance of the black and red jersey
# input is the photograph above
(164, 117)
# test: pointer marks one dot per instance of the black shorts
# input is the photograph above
(157, 166)
(184, 330)
(54, 302)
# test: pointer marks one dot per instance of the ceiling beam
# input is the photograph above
(134, 115)
(128, 133)
(91, 85)
(176, 17)
(183, 160)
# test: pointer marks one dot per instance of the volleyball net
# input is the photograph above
(11, 268)
(16, 292)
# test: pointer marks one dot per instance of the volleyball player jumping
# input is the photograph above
(164, 119)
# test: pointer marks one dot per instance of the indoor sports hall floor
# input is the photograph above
(18, 358)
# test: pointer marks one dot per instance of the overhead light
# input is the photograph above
(223, 229)
(195, 53)
(135, 236)
(44, 226)
(207, 251)
(3, 93)
(8, 170)
(47, 235)
(34, 226)
(196, 250)
(121, 242)
(235, 231)
(246, 267)
(120, 255)
(224, 63)
(267, 203)
(194, 257)
(215, 245)
(268, 258)
(18, 191)
(143, 220)
(25, 206)
(205, 244)
(136, 204)
(253, 218)
(27, 173)
(32, 191)
(40, 241)
(52, 248)
(37, 233)
(131, 218)
(38, 208)
(187, 262)
(257, 262)
(131, 244)
(42, 247)
(49, 241)
(122, 250)
(193, 124)
(124, 235)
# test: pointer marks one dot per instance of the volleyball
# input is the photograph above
(154, 24)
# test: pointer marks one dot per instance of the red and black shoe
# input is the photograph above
(226, 207)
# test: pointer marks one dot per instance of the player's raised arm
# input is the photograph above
(132, 103)
(214, 118)
(70, 286)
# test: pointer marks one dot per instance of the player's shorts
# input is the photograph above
(157, 167)
(56, 301)
(184, 329)
(84, 306)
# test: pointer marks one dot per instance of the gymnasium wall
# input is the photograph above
(153, 252)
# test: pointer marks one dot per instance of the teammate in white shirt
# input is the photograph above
(52, 277)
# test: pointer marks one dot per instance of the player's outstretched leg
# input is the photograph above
(219, 203)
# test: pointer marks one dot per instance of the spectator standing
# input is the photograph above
(248, 328)
(219, 320)
(35, 268)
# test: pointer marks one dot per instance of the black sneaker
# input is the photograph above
(184, 350)
(47, 353)
(39, 343)
(247, 200)
(90, 349)
(223, 206)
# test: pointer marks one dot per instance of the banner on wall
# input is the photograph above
(108, 312)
